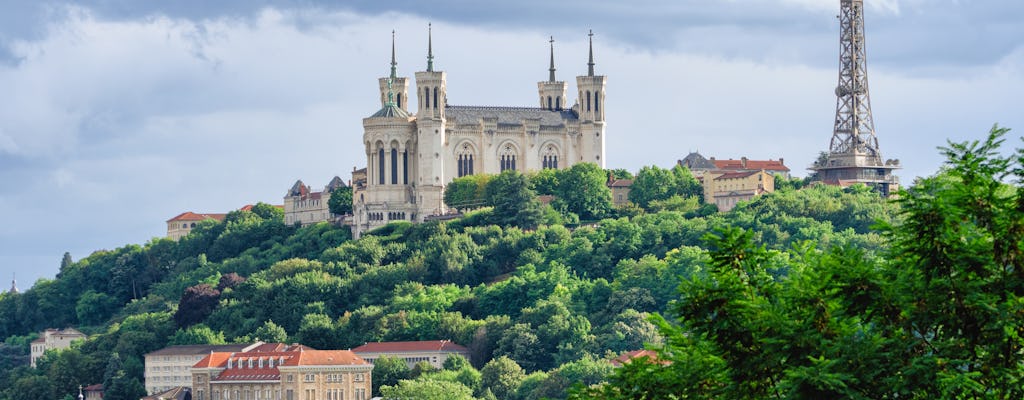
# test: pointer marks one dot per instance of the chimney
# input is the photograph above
(744, 159)
(782, 161)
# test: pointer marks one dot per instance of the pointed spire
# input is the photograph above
(430, 48)
(14, 283)
(551, 70)
(394, 64)
(590, 64)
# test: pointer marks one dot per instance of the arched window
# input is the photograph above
(597, 102)
(549, 157)
(394, 166)
(464, 160)
(549, 102)
(380, 166)
(183, 226)
(435, 98)
(193, 225)
(426, 96)
(507, 157)
(405, 167)
(558, 103)
(398, 97)
(588, 100)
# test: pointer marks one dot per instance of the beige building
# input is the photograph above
(700, 165)
(53, 339)
(180, 226)
(293, 374)
(304, 206)
(412, 156)
(620, 190)
(725, 189)
(171, 366)
(433, 351)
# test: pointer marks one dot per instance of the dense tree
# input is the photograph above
(501, 376)
(582, 188)
(467, 192)
(514, 203)
(271, 333)
(651, 183)
(94, 307)
(197, 334)
(388, 371)
(196, 304)
(426, 389)
(340, 202)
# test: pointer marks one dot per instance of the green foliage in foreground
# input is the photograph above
(941, 315)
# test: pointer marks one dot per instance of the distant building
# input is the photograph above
(434, 352)
(180, 226)
(725, 189)
(14, 285)
(93, 392)
(54, 339)
(628, 356)
(304, 206)
(290, 374)
(697, 164)
(171, 366)
(620, 190)
(176, 393)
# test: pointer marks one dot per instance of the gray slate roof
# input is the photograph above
(508, 115)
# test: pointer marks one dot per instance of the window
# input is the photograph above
(289, 395)
(399, 97)
(291, 377)
(405, 167)
(360, 394)
(558, 103)
(549, 158)
(549, 102)
(360, 377)
(435, 98)
(310, 377)
(426, 96)
(380, 166)
(200, 394)
(464, 160)
(597, 102)
(507, 158)
(394, 166)
(588, 100)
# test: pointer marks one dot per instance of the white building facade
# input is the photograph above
(411, 157)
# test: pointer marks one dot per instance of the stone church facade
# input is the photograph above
(412, 155)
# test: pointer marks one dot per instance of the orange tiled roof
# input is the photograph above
(191, 216)
(734, 175)
(631, 355)
(768, 165)
(296, 355)
(401, 347)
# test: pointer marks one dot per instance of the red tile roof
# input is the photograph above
(294, 356)
(631, 355)
(402, 347)
(735, 175)
(768, 165)
(620, 183)
(191, 216)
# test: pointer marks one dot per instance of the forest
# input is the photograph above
(812, 291)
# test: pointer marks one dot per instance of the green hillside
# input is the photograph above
(776, 296)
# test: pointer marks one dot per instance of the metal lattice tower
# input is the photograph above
(854, 155)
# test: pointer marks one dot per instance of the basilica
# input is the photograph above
(411, 156)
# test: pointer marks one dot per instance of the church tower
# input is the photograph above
(432, 96)
(591, 111)
(552, 92)
(399, 84)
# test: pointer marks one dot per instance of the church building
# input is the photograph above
(412, 156)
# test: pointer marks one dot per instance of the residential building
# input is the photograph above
(93, 392)
(180, 226)
(296, 373)
(304, 206)
(620, 190)
(171, 366)
(434, 352)
(700, 165)
(725, 189)
(53, 339)
(629, 356)
(412, 156)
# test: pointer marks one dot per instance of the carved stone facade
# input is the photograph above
(412, 157)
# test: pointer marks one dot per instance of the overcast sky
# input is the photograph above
(118, 115)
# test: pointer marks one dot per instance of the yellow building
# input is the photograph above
(53, 339)
(294, 374)
(725, 189)
(434, 352)
(620, 190)
(180, 226)
(171, 366)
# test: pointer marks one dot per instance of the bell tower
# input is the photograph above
(591, 112)
(432, 94)
(399, 84)
(552, 92)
